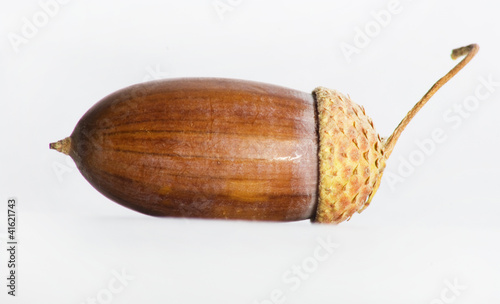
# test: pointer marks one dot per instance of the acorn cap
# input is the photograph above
(351, 157)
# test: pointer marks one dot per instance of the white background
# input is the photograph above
(434, 226)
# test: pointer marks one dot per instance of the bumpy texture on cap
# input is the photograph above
(351, 157)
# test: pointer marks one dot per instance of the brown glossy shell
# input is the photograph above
(209, 148)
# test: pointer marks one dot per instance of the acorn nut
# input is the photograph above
(234, 149)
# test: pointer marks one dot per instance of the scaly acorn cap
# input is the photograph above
(352, 156)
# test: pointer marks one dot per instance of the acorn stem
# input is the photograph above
(469, 52)
(63, 145)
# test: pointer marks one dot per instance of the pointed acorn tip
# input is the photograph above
(63, 146)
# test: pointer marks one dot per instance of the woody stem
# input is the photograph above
(469, 52)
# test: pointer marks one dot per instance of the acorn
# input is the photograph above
(234, 149)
